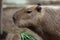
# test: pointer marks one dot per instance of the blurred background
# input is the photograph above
(18, 3)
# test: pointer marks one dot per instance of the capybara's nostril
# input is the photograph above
(14, 19)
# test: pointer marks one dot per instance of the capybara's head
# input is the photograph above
(27, 16)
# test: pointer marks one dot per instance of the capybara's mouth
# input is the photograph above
(28, 25)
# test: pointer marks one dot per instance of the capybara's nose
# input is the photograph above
(14, 19)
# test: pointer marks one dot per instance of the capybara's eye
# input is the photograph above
(29, 11)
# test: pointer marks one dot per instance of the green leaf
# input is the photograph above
(26, 36)
(5, 30)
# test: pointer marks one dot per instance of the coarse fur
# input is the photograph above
(45, 22)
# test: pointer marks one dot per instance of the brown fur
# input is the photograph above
(45, 23)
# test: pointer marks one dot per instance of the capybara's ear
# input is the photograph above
(38, 8)
(38, 4)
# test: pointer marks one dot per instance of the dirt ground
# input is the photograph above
(13, 30)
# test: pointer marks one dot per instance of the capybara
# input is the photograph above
(43, 20)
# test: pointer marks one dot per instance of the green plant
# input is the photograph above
(26, 36)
